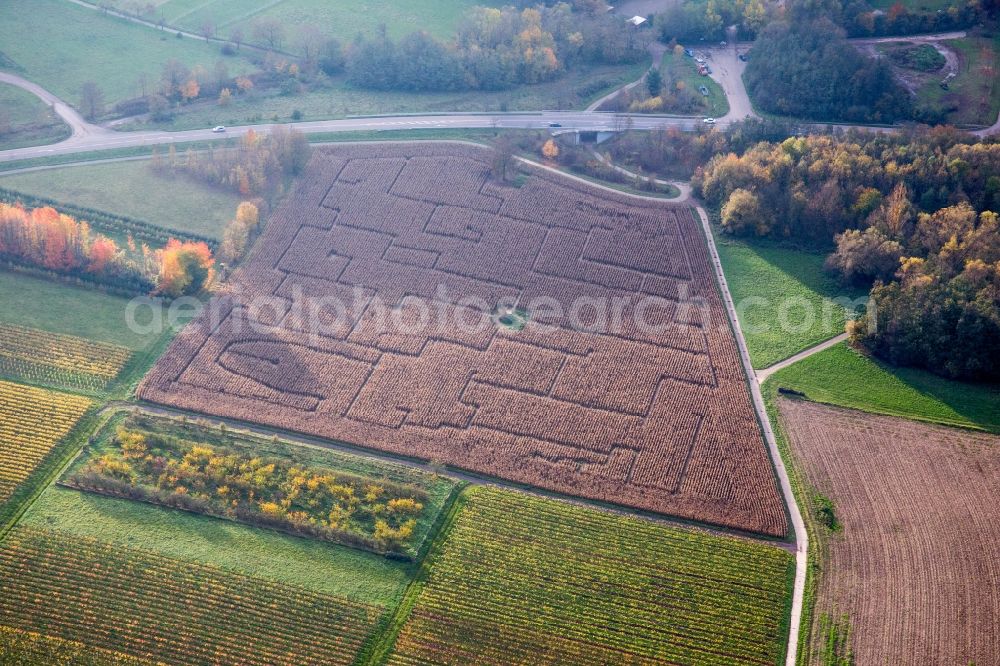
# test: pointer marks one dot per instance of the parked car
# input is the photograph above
(689, 53)
(555, 124)
(722, 43)
(743, 56)
(219, 128)
(708, 121)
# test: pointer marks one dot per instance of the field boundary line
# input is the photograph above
(801, 535)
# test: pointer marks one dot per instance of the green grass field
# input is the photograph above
(841, 376)
(973, 97)
(685, 70)
(61, 46)
(319, 566)
(521, 579)
(336, 19)
(133, 190)
(574, 90)
(62, 308)
(771, 285)
(25, 120)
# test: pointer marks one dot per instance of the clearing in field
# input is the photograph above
(33, 422)
(526, 580)
(373, 312)
(131, 189)
(912, 570)
(26, 120)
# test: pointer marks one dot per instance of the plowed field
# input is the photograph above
(400, 299)
(916, 564)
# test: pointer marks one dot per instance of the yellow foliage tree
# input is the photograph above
(550, 150)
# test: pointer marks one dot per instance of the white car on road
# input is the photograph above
(218, 129)
(708, 121)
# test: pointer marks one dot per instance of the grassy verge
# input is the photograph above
(379, 649)
(319, 566)
(131, 189)
(26, 120)
(844, 377)
(803, 494)
(784, 300)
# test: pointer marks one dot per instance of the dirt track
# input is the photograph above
(916, 566)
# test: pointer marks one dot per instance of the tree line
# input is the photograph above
(913, 216)
(46, 239)
(494, 49)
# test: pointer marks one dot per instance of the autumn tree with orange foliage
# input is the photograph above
(45, 238)
(185, 268)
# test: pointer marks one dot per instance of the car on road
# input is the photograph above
(689, 53)
(555, 124)
(219, 128)
(708, 121)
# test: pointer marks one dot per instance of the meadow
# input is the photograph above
(25, 120)
(132, 189)
(335, 19)
(771, 284)
(58, 307)
(65, 45)
(614, 590)
(844, 377)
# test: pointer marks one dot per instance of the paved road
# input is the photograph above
(97, 138)
(70, 116)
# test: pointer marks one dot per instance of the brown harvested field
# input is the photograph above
(422, 252)
(916, 566)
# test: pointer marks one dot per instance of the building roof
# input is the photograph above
(637, 20)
